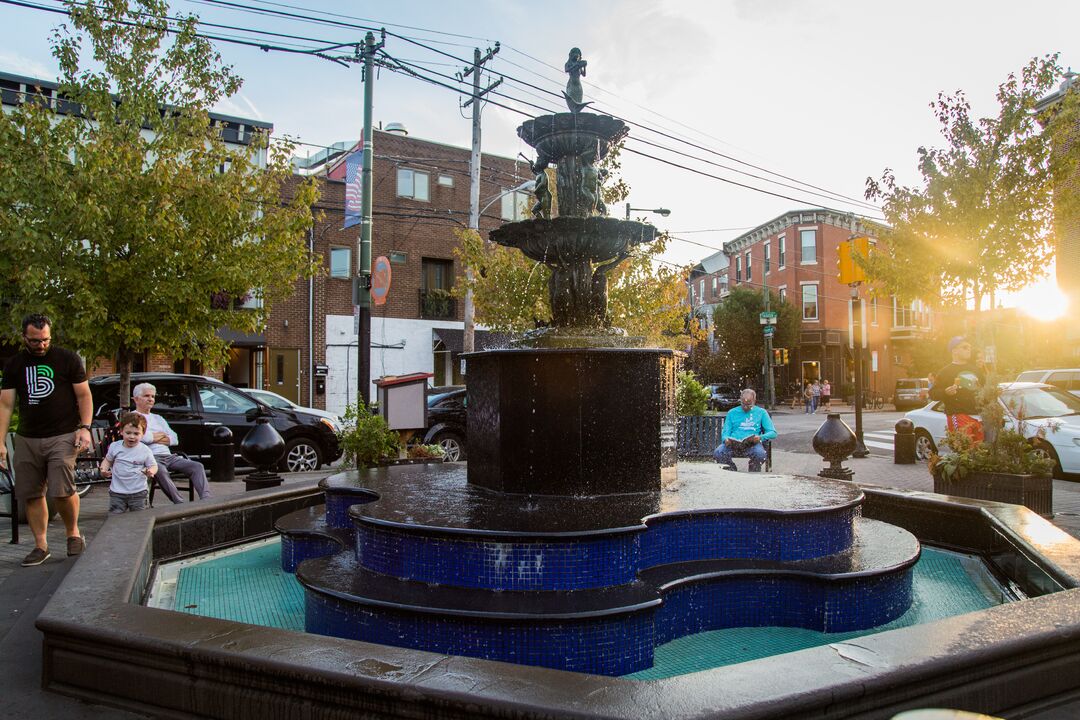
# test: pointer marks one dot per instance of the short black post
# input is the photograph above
(904, 443)
(222, 456)
(263, 447)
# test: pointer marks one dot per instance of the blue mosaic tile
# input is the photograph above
(296, 549)
(499, 565)
(337, 507)
(605, 646)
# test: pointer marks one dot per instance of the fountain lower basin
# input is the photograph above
(417, 557)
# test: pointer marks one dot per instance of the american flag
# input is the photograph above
(353, 180)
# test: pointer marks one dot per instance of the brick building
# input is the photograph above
(795, 255)
(420, 195)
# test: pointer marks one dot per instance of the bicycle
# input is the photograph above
(874, 401)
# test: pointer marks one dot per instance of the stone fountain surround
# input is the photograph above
(101, 644)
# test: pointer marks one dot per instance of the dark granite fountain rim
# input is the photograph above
(449, 505)
(338, 577)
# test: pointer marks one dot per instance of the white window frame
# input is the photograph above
(738, 269)
(767, 259)
(446, 181)
(782, 292)
(817, 301)
(749, 273)
(802, 245)
(414, 184)
(781, 259)
(514, 205)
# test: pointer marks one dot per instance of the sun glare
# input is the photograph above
(1042, 300)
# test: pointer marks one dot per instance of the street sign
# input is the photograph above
(380, 277)
(770, 330)
(767, 318)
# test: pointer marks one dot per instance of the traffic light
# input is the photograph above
(784, 356)
(777, 356)
(850, 272)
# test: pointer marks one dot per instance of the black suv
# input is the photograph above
(194, 405)
(447, 420)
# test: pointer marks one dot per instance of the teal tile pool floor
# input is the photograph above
(249, 586)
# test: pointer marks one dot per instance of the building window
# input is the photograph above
(446, 181)
(873, 310)
(748, 275)
(768, 257)
(808, 245)
(780, 256)
(436, 302)
(701, 289)
(514, 206)
(713, 284)
(413, 184)
(783, 294)
(809, 302)
(399, 257)
(340, 262)
(738, 269)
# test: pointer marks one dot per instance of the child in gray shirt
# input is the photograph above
(129, 463)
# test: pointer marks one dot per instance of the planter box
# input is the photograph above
(1037, 493)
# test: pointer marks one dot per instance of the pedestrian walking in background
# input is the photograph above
(957, 386)
(826, 395)
(808, 397)
(815, 397)
(55, 409)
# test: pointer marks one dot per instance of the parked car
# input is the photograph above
(1047, 416)
(911, 393)
(723, 397)
(1067, 379)
(446, 411)
(194, 405)
(281, 402)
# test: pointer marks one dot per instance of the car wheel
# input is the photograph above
(452, 445)
(301, 455)
(924, 445)
(1044, 449)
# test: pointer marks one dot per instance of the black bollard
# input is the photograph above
(222, 457)
(904, 443)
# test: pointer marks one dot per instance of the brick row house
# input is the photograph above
(420, 195)
(795, 255)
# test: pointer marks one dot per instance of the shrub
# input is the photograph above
(1009, 453)
(691, 397)
(433, 452)
(365, 439)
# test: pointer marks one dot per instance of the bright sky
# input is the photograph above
(825, 92)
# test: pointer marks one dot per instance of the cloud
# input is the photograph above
(19, 65)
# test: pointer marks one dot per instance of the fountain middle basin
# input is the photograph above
(417, 557)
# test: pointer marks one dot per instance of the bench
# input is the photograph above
(698, 435)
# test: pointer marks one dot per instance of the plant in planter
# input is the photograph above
(426, 452)
(1004, 466)
(365, 439)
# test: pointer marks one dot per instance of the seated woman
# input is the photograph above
(745, 428)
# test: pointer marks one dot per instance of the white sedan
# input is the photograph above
(283, 403)
(1049, 417)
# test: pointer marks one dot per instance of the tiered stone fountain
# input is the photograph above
(569, 541)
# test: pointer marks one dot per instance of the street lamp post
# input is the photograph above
(662, 212)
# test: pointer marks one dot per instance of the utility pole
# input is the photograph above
(770, 388)
(858, 331)
(468, 342)
(363, 259)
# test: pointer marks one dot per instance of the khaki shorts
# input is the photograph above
(42, 464)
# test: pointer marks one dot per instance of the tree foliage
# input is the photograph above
(738, 330)
(981, 219)
(645, 297)
(131, 222)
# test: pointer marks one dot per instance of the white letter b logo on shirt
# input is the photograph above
(39, 383)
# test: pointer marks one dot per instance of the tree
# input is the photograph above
(645, 297)
(738, 330)
(130, 221)
(981, 220)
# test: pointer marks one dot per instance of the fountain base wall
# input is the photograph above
(590, 421)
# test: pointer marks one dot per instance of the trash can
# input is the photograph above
(222, 457)
(904, 443)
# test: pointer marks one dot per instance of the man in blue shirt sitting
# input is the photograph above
(744, 430)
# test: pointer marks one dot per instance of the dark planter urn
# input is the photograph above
(1035, 493)
(834, 441)
(262, 447)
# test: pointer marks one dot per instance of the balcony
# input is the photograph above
(437, 304)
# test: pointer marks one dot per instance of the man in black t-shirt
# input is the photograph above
(957, 385)
(55, 408)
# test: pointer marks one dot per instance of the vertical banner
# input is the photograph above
(354, 163)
